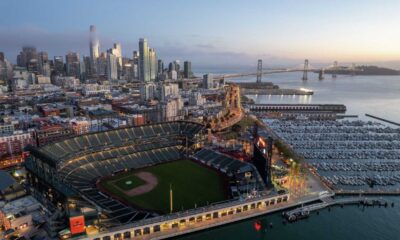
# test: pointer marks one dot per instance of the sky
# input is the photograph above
(211, 33)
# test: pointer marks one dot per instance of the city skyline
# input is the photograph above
(290, 31)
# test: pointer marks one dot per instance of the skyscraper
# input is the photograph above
(208, 81)
(72, 64)
(117, 52)
(94, 49)
(112, 67)
(135, 65)
(102, 64)
(28, 58)
(187, 69)
(59, 64)
(43, 64)
(153, 64)
(144, 60)
(160, 67)
(87, 63)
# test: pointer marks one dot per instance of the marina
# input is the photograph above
(356, 156)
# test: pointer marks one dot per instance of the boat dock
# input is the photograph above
(304, 211)
(384, 192)
(382, 119)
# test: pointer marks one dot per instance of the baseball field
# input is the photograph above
(192, 184)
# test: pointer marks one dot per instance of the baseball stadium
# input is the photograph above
(130, 174)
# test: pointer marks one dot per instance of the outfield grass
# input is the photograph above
(191, 184)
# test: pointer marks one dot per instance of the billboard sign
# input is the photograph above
(77, 224)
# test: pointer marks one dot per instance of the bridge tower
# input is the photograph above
(305, 71)
(259, 70)
(321, 74)
(335, 68)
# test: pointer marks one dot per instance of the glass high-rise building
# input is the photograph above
(153, 64)
(72, 64)
(94, 49)
(144, 61)
(112, 67)
(59, 64)
(187, 69)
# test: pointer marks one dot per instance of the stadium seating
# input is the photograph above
(79, 162)
(231, 166)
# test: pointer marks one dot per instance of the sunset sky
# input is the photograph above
(211, 32)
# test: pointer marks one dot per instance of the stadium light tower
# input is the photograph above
(171, 204)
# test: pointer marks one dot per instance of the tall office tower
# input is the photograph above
(87, 63)
(102, 64)
(144, 61)
(208, 82)
(160, 67)
(135, 64)
(28, 58)
(45, 69)
(43, 57)
(135, 57)
(94, 49)
(112, 67)
(43, 64)
(3, 70)
(117, 52)
(59, 64)
(72, 64)
(187, 69)
(127, 69)
(153, 64)
(177, 65)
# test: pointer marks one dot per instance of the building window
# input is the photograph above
(117, 236)
(146, 230)
(138, 232)
(127, 235)
(156, 228)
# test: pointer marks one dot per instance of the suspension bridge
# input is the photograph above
(305, 68)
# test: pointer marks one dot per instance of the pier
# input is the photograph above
(382, 119)
(304, 211)
(335, 108)
(368, 192)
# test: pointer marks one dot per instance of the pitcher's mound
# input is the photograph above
(150, 180)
